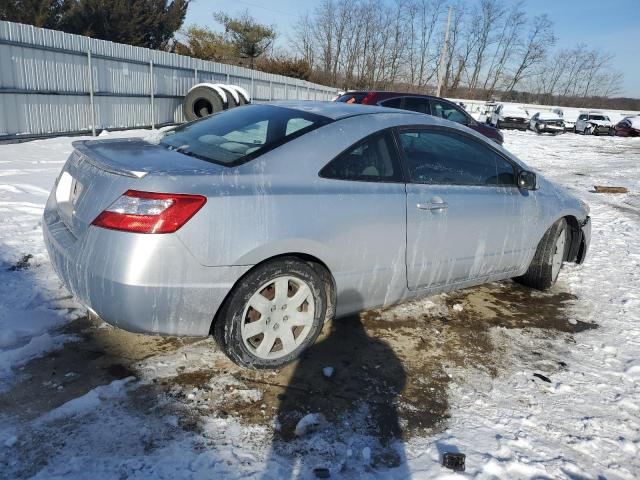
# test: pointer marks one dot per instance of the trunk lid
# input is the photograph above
(99, 171)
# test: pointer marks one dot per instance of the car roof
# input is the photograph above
(339, 110)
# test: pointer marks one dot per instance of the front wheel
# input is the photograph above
(273, 314)
(547, 261)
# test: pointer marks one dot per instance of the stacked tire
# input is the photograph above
(206, 99)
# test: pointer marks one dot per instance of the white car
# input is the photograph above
(546, 122)
(594, 123)
(510, 116)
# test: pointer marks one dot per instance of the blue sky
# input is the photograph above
(609, 24)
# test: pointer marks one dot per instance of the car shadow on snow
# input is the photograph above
(392, 369)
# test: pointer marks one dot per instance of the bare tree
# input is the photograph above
(534, 51)
(487, 18)
(507, 41)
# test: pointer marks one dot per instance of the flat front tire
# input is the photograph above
(273, 314)
(548, 259)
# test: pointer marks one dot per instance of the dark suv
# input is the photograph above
(436, 106)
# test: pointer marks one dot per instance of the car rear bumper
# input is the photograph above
(137, 282)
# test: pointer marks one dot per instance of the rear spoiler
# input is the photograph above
(87, 154)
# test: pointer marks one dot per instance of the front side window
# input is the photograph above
(238, 135)
(371, 160)
(447, 111)
(447, 158)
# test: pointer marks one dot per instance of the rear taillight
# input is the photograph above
(147, 212)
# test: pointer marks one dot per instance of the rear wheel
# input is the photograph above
(273, 314)
(547, 261)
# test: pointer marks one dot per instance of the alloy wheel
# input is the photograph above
(278, 317)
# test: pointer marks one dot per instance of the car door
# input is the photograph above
(533, 121)
(580, 123)
(366, 203)
(466, 218)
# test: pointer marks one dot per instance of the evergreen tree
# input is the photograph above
(41, 13)
(143, 23)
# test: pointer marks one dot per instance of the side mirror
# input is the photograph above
(527, 180)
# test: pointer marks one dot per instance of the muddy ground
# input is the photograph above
(392, 367)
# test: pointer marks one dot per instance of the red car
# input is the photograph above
(436, 106)
(628, 127)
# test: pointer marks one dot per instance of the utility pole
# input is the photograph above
(442, 54)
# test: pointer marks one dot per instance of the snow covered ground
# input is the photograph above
(179, 409)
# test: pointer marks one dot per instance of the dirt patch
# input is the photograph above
(102, 354)
(390, 365)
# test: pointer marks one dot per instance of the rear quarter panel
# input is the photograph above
(278, 204)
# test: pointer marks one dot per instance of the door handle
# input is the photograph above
(433, 206)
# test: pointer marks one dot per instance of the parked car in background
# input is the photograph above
(510, 116)
(594, 123)
(628, 127)
(436, 106)
(546, 122)
(484, 115)
(260, 223)
(569, 116)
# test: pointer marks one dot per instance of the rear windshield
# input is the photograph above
(241, 134)
(351, 97)
(598, 117)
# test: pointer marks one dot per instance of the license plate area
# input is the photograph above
(67, 192)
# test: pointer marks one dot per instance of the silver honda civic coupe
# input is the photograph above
(259, 224)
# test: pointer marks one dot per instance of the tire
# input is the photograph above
(200, 102)
(256, 299)
(231, 101)
(547, 261)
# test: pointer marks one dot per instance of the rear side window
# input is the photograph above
(447, 158)
(448, 111)
(241, 134)
(392, 103)
(416, 104)
(371, 160)
(351, 97)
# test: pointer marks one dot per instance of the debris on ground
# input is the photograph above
(542, 377)
(327, 372)
(603, 189)
(21, 264)
(322, 472)
(454, 461)
(311, 422)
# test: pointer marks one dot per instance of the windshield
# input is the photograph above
(598, 117)
(241, 134)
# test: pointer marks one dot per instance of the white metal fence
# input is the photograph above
(53, 82)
